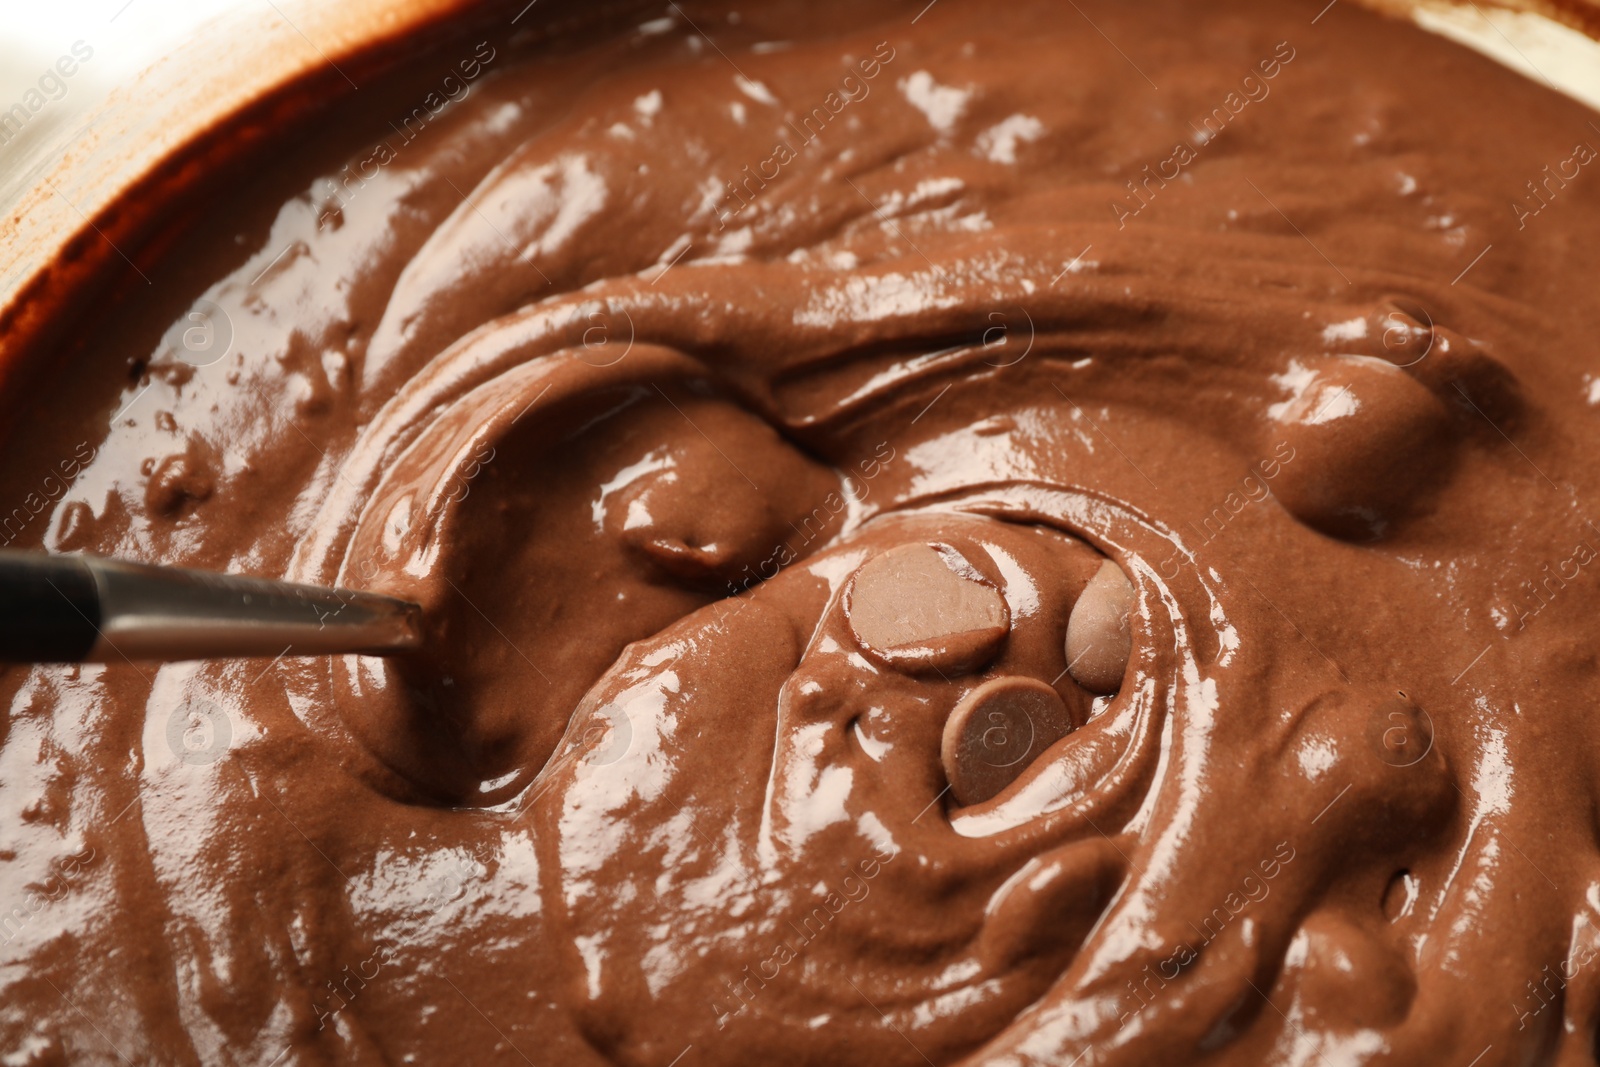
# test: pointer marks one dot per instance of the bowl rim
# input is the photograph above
(240, 82)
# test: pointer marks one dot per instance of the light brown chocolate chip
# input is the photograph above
(910, 610)
(1099, 637)
(996, 731)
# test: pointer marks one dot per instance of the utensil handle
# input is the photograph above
(49, 608)
(70, 609)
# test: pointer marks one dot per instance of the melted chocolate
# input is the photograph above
(749, 404)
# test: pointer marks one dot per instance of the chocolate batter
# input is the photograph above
(1015, 534)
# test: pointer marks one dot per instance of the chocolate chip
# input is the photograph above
(910, 609)
(996, 732)
(1099, 638)
(1362, 445)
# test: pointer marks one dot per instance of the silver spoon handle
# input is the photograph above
(87, 609)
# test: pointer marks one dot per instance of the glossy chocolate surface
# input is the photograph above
(744, 393)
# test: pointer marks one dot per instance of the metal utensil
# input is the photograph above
(84, 609)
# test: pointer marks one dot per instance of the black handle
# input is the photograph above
(49, 608)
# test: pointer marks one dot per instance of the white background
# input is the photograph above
(125, 37)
